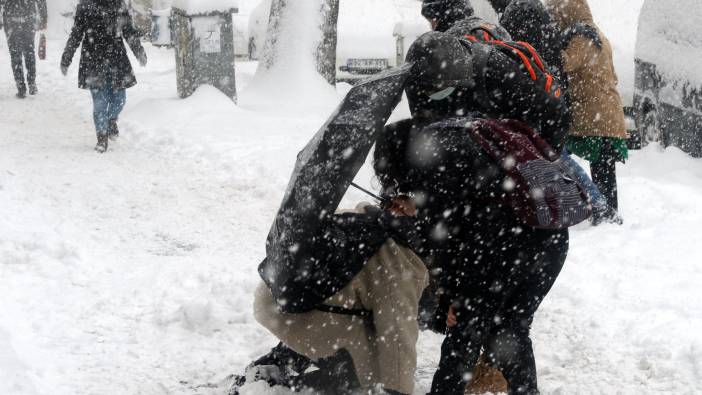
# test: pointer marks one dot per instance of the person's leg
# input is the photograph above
(509, 348)
(391, 285)
(30, 61)
(101, 103)
(598, 200)
(317, 334)
(604, 174)
(100, 116)
(383, 345)
(14, 43)
(118, 98)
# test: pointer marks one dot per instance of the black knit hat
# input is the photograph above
(446, 12)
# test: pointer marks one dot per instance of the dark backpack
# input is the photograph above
(539, 188)
(521, 52)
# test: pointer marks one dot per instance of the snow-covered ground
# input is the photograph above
(132, 272)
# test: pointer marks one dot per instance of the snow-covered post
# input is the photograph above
(204, 45)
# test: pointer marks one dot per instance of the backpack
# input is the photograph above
(520, 52)
(540, 189)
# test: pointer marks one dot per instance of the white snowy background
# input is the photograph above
(132, 272)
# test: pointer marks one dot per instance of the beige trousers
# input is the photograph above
(383, 347)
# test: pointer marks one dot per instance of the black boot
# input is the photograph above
(33, 88)
(276, 368)
(608, 215)
(336, 375)
(112, 129)
(21, 90)
(101, 143)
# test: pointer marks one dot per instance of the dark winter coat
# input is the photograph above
(26, 10)
(102, 26)
(454, 178)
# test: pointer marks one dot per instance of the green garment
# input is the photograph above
(590, 147)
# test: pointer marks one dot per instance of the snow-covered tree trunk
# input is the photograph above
(270, 47)
(300, 31)
(326, 51)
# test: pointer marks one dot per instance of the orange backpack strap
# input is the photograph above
(525, 52)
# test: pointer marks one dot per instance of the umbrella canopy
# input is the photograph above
(299, 269)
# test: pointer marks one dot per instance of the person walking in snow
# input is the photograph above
(102, 26)
(598, 132)
(21, 19)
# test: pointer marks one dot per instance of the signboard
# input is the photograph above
(211, 42)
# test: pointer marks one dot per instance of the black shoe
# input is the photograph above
(21, 94)
(33, 89)
(271, 374)
(101, 143)
(285, 358)
(608, 215)
(336, 375)
(112, 129)
(275, 368)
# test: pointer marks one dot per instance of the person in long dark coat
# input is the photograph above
(102, 26)
(20, 19)
(493, 271)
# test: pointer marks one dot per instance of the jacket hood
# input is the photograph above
(446, 12)
(569, 12)
(499, 5)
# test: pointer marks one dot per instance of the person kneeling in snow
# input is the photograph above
(364, 336)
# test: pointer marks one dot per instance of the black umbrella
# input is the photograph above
(303, 265)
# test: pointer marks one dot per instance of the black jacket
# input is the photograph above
(101, 26)
(23, 9)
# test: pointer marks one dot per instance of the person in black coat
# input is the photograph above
(102, 26)
(20, 19)
(492, 270)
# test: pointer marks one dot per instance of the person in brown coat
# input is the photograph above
(598, 133)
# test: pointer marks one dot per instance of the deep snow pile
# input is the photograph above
(132, 272)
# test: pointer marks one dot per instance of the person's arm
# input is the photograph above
(515, 95)
(133, 37)
(43, 14)
(74, 39)
(578, 54)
